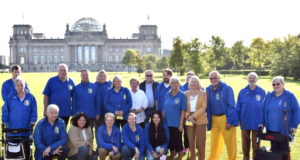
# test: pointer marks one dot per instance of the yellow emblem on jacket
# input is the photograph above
(56, 130)
(124, 97)
(177, 101)
(137, 138)
(90, 90)
(26, 103)
(70, 87)
(258, 97)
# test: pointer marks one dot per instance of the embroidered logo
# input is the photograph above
(70, 87)
(177, 101)
(90, 90)
(56, 130)
(26, 103)
(258, 97)
(124, 97)
(137, 138)
(217, 96)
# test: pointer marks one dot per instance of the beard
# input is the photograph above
(252, 83)
(166, 80)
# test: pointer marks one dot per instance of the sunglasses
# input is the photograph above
(277, 84)
(211, 78)
(149, 75)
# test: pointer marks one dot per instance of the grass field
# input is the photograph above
(37, 82)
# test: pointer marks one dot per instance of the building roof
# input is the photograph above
(86, 24)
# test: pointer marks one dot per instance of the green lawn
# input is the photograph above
(37, 82)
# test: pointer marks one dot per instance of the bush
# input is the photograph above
(245, 72)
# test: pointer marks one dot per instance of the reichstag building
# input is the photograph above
(85, 45)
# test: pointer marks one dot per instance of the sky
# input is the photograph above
(233, 20)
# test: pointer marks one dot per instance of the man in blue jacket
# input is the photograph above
(249, 107)
(8, 87)
(162, 89)
(59, 91)
(222, 117)
(50, 136)
(85, 99)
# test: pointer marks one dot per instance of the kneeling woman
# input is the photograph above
(133, 138)
(81, 139)
(156, 137)
(109, 138)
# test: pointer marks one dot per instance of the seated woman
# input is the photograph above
(81, 139)
(156, 137)
(109, 138)
(133, 138)
(20, 111)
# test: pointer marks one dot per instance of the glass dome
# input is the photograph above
(86, 24)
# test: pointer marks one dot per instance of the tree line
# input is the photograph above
(277, 56)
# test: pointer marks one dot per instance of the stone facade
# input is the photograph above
(85, 45)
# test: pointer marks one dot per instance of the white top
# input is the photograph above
(193, 102)
(83, 134)
(139, 99)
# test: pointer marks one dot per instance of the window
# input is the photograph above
(35, 59)
(110, 58)
(55, 60)
(48, 59)
(42, 59)
(61, 58)
(21, 49)
(86, 54)
(35, 49)
(22, 60)
(117, 58)
(49, 49)
(61, 50)
(79, 54)
(55, 50)
(93, 54)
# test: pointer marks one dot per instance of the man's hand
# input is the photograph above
(46, 152)
(58, 151)
(227, 126)
(137, 153)
(293, 130)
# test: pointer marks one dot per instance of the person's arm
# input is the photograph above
(100, 139)
(183, 109)
(147, 138)
(34, 115)
(145, 100)
(295, 111)
(47, 94)
(46, 103)
(4, 91)
(37, 136)
(5, 114)
(142, 141)
(125, 137)
(118, 144)
(63, 138)
(107, 105)
(74, 102)
(231, 114)
(97, 101)
(128, 102)
(238, 107)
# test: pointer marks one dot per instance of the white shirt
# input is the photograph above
(84, 134)
(193, 102)
(139, 100)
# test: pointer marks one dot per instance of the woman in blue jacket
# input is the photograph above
(278, 103)
(156, 137)
(109, 139)
(20, 111)
(118, 101)
(133, 139)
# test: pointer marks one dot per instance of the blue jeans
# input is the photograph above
(83, 154)
(157, 149)
(128, 152)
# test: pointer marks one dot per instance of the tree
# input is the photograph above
(257, 54)
(217, 53)
(238, 53)
(195, 58)
(130, 58)
(177, 56)
(151, 61)
(162, 63)
(140, 65)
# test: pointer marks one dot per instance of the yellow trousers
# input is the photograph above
(218, 136)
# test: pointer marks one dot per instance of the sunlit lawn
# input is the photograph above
(37, 82)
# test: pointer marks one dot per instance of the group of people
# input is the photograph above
(148, 119)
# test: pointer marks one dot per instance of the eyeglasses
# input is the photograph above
(211, 78)
(277, 84)
(149, 75)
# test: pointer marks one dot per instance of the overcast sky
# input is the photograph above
(231, 19)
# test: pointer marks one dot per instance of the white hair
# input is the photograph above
(20, 79)
(175, 78)
(109, 115)
(252, 74)
(278, 78)
(214, 72)
(62, 65)
(52, 107)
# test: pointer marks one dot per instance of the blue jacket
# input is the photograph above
(226, 102)
(106, 141)
(85, 100)
(102, 88)
(120, 101)
(160, 93)
(147, 138)
(134, 139)
(289, 104)
(19, 114)
(8, 87)
(184, 87)
(46, 135)
(60, 93)
(249, 107)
